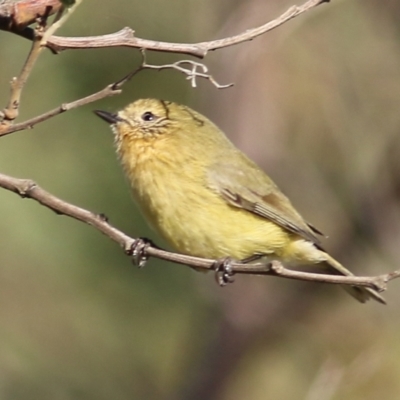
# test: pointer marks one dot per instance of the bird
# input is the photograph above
(205, 197)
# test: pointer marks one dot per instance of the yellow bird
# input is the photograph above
(205, 197)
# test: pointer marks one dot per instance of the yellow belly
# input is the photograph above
(204, 225)
(192, 217)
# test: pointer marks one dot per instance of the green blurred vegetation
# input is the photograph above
(315, 102)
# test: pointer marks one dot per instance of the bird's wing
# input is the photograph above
(256, 192)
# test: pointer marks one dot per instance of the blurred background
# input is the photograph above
(315, 103)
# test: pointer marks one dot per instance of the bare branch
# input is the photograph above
(114, 89)
(250, 34)
(123, 38)
(60, 20)
(28, 188)
(41, 32)
(109, 90)
(17, 83)
(126, 38)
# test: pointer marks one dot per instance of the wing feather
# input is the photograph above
(257, 193)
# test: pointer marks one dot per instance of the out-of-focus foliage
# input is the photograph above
(315, 103)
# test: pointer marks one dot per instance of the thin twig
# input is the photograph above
(109, 90)
(189, 68)
(122, 38)
(17, 83)
(29, 189)
(126, 38)
(250, 34)
(67, 12)
(112, 90)
(11, 111)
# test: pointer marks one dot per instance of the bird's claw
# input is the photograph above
(138, 251)
(223, 271)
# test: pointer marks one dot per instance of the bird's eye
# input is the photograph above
(148, 116)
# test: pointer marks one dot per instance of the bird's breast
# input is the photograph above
(174, 196)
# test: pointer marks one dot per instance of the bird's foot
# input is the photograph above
(138, 251)
(223, 271)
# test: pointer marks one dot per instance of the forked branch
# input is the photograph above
(187, 67)
(126, 37)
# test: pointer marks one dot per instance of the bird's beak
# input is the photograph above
(108, 117)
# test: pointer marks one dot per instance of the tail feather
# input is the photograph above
(361, 293)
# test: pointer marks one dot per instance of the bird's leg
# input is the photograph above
(138, 251)
(223, 271)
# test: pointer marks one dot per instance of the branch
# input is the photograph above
(40, 35)
(10, 16)
(11, 111)
(126, 38)
(28, 189)
(109, 90)
(114, 89)
(60, 20)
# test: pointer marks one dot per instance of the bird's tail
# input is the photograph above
(361, 293)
